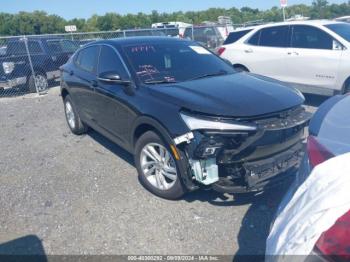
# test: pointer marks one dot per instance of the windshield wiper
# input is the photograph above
(155, 82)
(220, 73)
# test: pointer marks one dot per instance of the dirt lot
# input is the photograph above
(81, 195)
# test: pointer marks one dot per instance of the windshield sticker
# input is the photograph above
(170, 78)
(147, 70)
(200, 50)
(143, 48)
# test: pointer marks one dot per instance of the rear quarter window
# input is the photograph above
(235, 36)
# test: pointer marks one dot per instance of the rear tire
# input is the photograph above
(161, 177)
(73, 120)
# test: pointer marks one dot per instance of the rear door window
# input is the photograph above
(254, 40)
(34, 47)
(274, 36)
(311, 38)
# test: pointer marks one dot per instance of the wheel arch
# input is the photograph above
(144, 124)
(346, 85)
(241, 66)
(64, 93)
(37, 69)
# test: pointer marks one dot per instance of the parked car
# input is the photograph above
(47, 55)
(208, 36)
(187, 116)
(329, 138)
(309, 55)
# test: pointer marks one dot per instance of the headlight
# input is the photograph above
(194, 123)
(8, 67)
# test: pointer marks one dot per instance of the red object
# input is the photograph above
(284, 3)
(221, 50)
(317, 152)
(336, 240)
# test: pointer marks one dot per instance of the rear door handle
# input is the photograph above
(248, 50)
(71, 72)
(293, 53)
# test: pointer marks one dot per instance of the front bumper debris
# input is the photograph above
(263, 174)
(239, 162)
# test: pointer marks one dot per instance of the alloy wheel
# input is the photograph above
(158, 166)
(41, 82)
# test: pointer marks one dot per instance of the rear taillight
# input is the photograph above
(335, 242)
(221, 50)
(317, 152)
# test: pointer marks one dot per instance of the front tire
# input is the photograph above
(38, 83)
(73, 120)
(157, 167)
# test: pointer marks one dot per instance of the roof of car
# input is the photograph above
(137, 40)
(305, 22)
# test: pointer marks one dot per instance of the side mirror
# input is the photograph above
(113, 78)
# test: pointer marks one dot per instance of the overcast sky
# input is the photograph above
(85, 8)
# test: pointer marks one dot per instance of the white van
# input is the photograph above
(313, 56)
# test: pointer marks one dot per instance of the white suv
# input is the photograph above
(313, 56)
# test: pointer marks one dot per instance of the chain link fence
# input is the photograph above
(30, 64)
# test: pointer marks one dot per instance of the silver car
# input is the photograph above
(329, 137)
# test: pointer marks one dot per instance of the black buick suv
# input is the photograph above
(186, 115)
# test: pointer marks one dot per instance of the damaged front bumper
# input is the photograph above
(246, 161)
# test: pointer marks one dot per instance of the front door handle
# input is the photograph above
(248, 50)
(293, 53)
(71, 72)
(94, 83)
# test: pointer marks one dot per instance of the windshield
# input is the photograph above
(341, 29)
(174, 62)
(62, 46)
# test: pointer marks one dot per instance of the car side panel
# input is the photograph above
(115, 112)
(313, 67)
(334, 132)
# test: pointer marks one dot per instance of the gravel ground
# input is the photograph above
(81, 195)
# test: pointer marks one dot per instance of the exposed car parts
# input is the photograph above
(244, 161)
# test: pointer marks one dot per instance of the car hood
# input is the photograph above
(235, 95)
